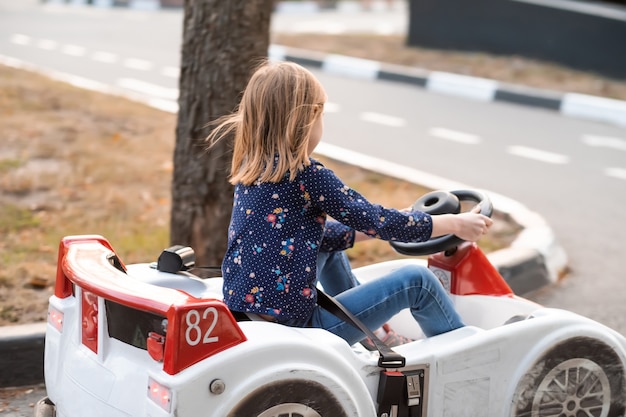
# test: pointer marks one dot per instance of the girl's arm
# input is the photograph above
(354, 211)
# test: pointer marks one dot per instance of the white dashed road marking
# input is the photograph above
(73, 50)
(383, 119)
(172, 72)
(619, 173)
(455, 136)
(330, 107)
(148, 88)
(538, 155)
(47, 44)
(19, 39)
(104, 57)
(605, 141)
(138, 64)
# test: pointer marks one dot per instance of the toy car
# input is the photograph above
(138, 341)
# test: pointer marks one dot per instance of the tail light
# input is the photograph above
(55, 318)
(160, 394)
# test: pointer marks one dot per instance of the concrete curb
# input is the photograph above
(21, 354)
(582, 106)
(534, 259)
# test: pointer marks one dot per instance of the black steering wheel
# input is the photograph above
(442, 202)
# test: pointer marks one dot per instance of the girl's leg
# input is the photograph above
(335, 273)
(375, 302)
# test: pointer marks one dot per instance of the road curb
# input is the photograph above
(21, 354)
(581, 106)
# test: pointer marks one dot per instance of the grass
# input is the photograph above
(75, 162)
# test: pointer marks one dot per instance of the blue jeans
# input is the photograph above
(335, 273)
(375, 302)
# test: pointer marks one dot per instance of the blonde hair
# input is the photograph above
(274, 118)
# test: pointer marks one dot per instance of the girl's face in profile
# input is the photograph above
(316, 133)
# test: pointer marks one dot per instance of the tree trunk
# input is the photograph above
(222, 40)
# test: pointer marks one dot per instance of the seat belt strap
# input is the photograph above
(388, 358)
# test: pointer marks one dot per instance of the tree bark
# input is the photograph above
(222, 41)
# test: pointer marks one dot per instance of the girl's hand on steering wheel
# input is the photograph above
(469, 226)
(472, 225)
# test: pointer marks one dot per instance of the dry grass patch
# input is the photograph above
(74, 162)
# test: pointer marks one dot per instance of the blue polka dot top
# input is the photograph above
(277, 229)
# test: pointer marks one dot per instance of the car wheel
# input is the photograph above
(290, 398)
(578, 377)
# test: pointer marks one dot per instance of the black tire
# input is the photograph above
(289, 398)
(580, 376)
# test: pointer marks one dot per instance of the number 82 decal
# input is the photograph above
(196, 326)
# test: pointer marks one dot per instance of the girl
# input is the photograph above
(279, 219)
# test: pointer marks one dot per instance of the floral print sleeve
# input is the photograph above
(354, 211)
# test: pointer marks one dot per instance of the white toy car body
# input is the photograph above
(135, 341)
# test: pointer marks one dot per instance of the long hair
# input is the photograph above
(273, 121)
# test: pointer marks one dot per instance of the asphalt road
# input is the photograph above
(572, 172)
